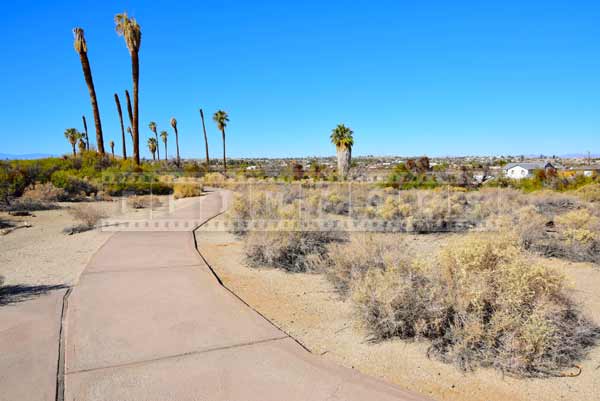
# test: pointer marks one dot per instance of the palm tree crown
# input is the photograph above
(152, 126)
(164, 135)
(221, 118)
(341, 137)
(130, 30)
(72, 135)
(152, 146)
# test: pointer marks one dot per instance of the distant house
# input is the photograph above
(520, 170)
(587, 171)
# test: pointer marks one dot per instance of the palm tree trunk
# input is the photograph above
(177, 145)
(166, 157)
(135, 72)
(122, 127)
(129, 109)
(87, 74)
(205, 140)
(74, 151)
(157, 144)
(224, 154)
(343, 161)
(87, 137)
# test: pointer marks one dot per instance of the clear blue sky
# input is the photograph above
(411, 78)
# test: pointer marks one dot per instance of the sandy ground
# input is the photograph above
(44, 255)
(306, 307)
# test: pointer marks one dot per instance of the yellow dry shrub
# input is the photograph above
(186, 189)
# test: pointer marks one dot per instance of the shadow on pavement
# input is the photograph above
(10, 294)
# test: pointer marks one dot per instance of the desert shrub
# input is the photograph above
(589, 193)
(348, 263)
(72, 184)
(45, 193)
(336, 202)
(87, 215)
(573, 235)
(216, 180)
(295, 250)
(186, 189)
(483, 304)
(143, 201)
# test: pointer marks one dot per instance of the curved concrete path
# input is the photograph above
(148, 321)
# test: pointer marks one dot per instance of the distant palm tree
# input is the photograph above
(81, 48)
(122, 127)
(221, 118)
(131, 31)
(153, 147)
(164, 135)
(81, 144)
(152, 127)
(205, 139)
(341, 137)
(72, 136)
(85, 133)
(130, 132)
(112, 148)
(174, 125)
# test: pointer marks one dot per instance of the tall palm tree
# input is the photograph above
(131, 31)
(85, 133)
(112, 148)
(174, 125)
(164, 135)
(152, 127)
(341, 137)
(153, 147)
(122, 127)
(221, 118)
(205, 139)
(81, 48)
(72, 136)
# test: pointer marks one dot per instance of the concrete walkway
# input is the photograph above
(148, 321)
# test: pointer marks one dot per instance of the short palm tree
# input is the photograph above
(84, 134)
(81, 144)
(341, 137)
(174, 125)
(122, 127)
(81, 48)
(164, 135)
(132, 33)
(152, 127)
(221, 118)
(72, 136)
(112, 148)
(205, 139)
(152, 146)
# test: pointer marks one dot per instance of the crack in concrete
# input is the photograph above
(181, 355)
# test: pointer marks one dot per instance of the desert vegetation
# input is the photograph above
(483, 297)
